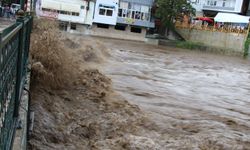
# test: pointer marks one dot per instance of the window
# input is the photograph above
(109, 13)
(102, 11)
(135, 29)
(123, 9)
(120, 27)
(224, 3)
(212, 3)
(145, 9)
(124, 13)
(133, 14)
(120, 12)
(63, 26)
(129, 14)
(73, 26)
(142, 16)
(133, 11)
(106, 11)
(45, 9)
(64, 12)
(124, 5)
(137, 15)
(75, 14)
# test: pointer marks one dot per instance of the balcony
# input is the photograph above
(218, 8)
(135, 22)
(141, 2)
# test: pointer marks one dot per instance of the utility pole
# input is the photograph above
(22, 2)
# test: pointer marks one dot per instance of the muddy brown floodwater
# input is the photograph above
(154, 98)
(194, 97)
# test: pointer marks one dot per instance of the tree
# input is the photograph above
(168, 10)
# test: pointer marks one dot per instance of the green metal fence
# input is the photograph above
(14, 52)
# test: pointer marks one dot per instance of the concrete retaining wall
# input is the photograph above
(228, 41)
(117, 34)
(111, 32)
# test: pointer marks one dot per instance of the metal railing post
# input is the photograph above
(1, 37)
(22, 2)
(19, 67)
(1, 86)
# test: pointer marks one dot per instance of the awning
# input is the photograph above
(107, 6)
(231, 18)
(209, 20)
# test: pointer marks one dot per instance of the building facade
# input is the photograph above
(71, 13)
(212, 7)
(198, 5)
(124, 19)
(248, 10)
(231, 6)
(135, 13)
(106, 12)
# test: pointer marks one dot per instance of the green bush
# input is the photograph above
(189, 45)
(247, 43)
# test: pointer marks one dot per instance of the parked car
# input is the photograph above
(14, 8)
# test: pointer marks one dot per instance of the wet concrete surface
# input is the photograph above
(5, 23)
(192, 96)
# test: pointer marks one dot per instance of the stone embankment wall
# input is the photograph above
(229, 41)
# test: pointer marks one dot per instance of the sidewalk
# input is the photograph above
(5, 23)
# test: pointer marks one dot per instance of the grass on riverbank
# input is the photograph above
(190, 45)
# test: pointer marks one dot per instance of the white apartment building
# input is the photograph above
(71, 13)
(212, 7)
(122, 19)
(106, 12)
(198, 5)
(232, 6)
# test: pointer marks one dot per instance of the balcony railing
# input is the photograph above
(136, 22)
(224, 29)
(14, 52)
(206, 7)
(142, 2)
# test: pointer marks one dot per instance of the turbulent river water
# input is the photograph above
(191, 95)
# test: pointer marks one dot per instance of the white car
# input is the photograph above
(15, 7)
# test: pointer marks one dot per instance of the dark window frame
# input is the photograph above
(135, 30)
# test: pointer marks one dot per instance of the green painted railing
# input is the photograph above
(14, 52)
